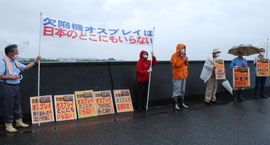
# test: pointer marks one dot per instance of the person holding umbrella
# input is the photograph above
(239, 63)
(260, 80)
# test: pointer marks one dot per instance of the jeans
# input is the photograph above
(260, 83)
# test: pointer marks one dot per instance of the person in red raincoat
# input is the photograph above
(143, 72)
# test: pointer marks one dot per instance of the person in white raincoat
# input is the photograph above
(208, 75)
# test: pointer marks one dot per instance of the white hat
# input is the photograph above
(216, 50)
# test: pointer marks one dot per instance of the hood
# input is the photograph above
(141, 54)
(180, 47)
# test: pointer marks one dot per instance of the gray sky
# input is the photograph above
(201, 25)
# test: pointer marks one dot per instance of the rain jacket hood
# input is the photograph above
(179, 66)
(142, 67)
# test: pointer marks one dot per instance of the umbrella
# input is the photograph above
(247, 49)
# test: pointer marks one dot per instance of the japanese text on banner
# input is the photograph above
(64, 29)
(104, 102)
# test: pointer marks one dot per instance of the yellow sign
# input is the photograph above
(86, 104)
(104, 102)
(45, 108)
(123, 100)
(220, 70)
(241, 77)
(65, 107)
(262, 67)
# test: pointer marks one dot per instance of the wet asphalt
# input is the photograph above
(245, 123)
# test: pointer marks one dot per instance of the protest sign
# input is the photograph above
(123, 100)
(104, 102)
(241, 77)
(65, 107)
(86, 103)
(46, 109)
(262, 67)
(220, 70)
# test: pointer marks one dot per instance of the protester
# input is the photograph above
(179, 62)
(260, 81)
(208, 75)
(143, 72)
(10, 78)
(238, 62)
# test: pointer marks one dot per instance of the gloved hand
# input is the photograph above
(152, 52)
(149, 70)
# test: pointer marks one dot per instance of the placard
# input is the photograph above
(45, 107)
(104, 102)
(65, 107)
(220, 70)
(123, 100)
(85, 103)
(262, 67)
(241, 77)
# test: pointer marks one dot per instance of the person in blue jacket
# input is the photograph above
(238, 62)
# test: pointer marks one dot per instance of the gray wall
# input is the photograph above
(65, 78)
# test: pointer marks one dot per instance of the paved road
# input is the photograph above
(242, 123)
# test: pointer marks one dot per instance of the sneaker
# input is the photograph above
(184, 105)
(264, 97)
(256, 97)
(242, 99)
(176, 107)
(207, 103)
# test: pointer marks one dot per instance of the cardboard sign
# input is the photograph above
(86, 103)
(104, 102)
(65, 107)
(45, 107)
(241, 77)
(262, 67)
(123, 100)
(220, 70)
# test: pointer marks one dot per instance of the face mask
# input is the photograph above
(217, 55)
(262, 53)
(145, 56)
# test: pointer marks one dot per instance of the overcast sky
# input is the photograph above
(200, 24)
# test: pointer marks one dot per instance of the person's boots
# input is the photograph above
(241, 95)
(182, 102)
(19, 123)
(234, 96)
(10, 128)
(175, 104)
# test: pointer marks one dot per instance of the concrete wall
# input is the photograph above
(65, 78)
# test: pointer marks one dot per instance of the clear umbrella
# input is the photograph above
(247, 49)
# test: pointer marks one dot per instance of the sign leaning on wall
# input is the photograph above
(46, 109)
(65, 107)
(104, 102)
(241, 77)
(123, 100)
(86, 104)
